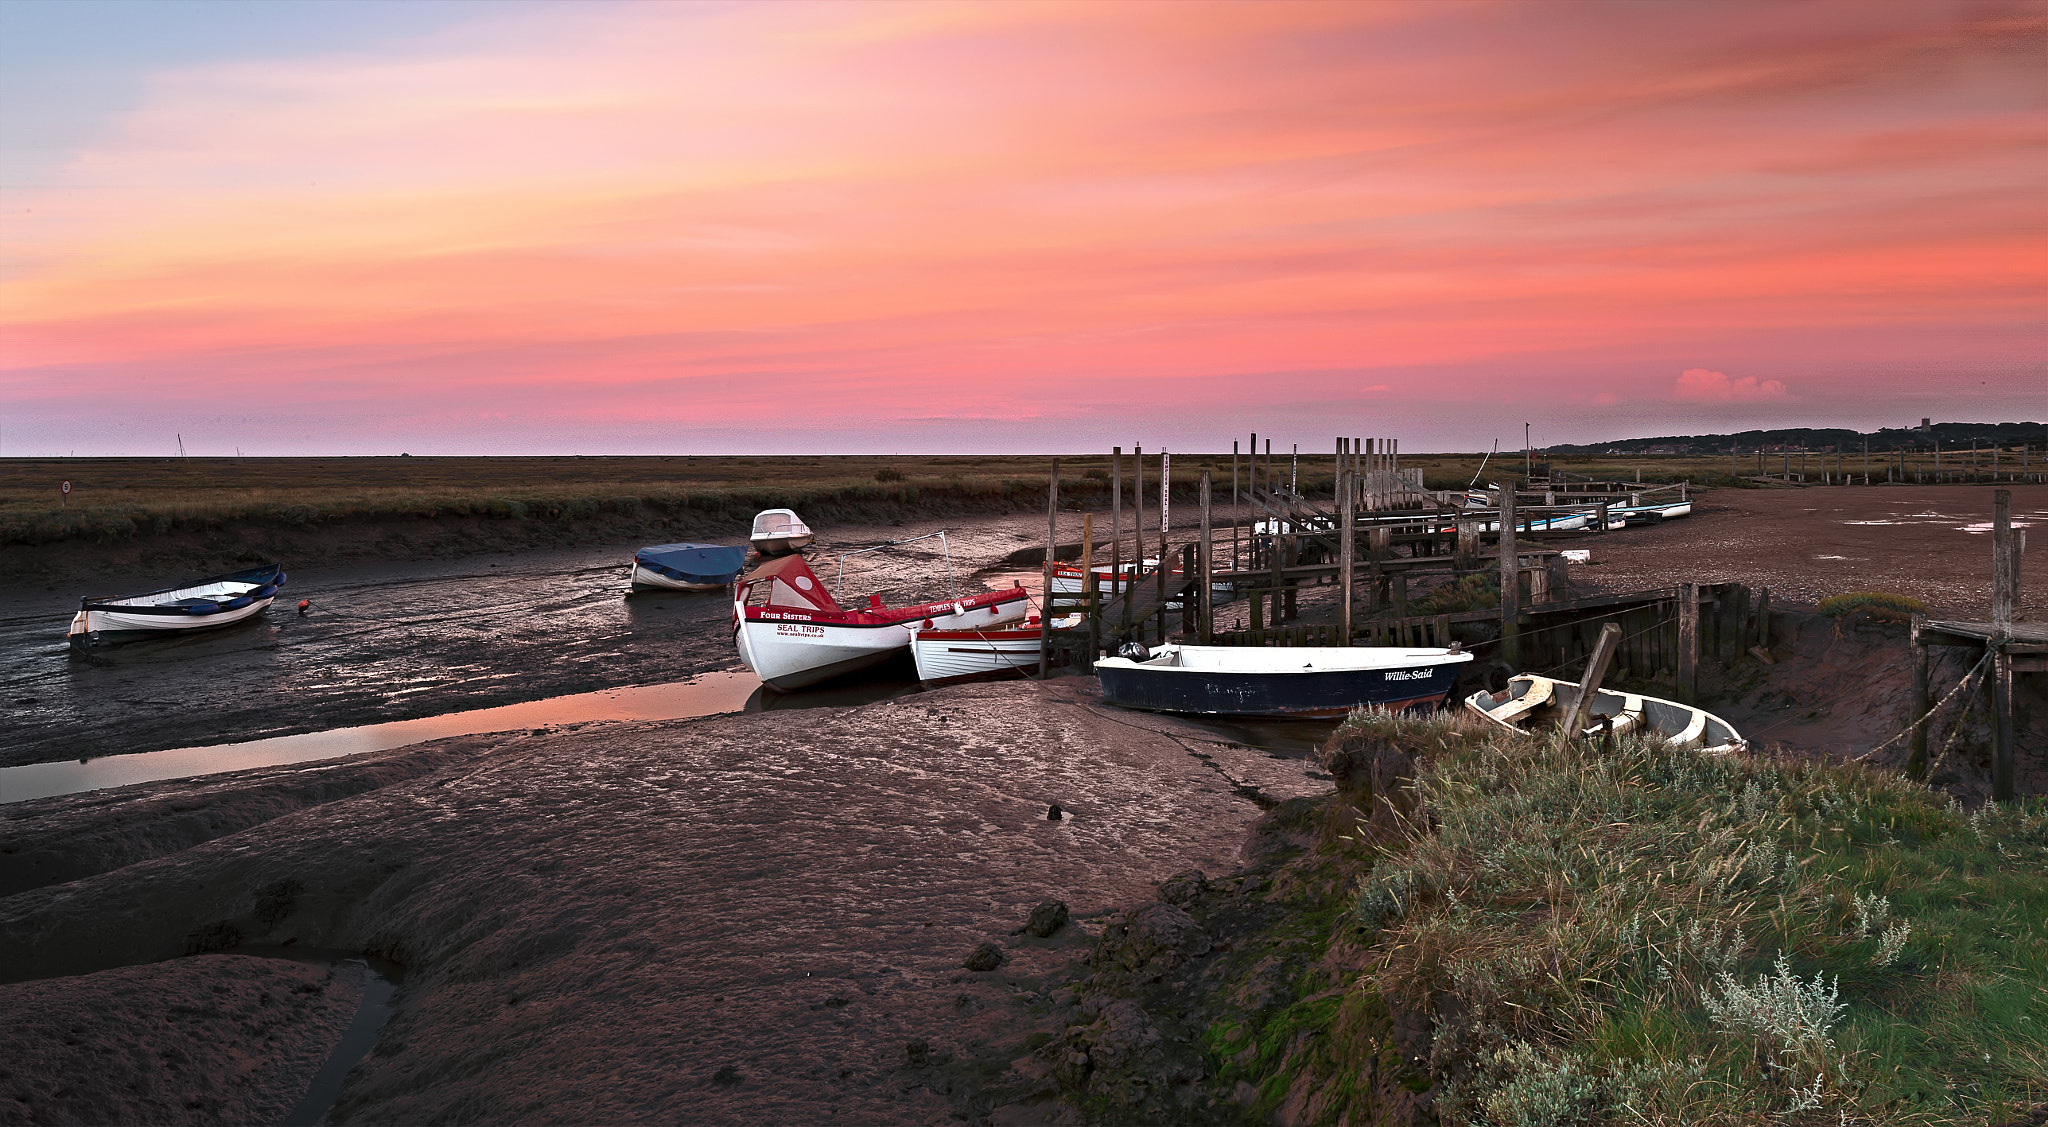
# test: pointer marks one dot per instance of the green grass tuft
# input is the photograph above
(1881, 605)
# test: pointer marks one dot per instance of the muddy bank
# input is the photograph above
(204, 1040)
(742, 918)
(1930, 542)
(398, 641)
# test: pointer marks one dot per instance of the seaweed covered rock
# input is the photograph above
(1154, 938)
(1184, 889)
(1375, 776)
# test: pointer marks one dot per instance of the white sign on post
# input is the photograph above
(64, 498)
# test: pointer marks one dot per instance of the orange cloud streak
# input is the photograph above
(879, 205)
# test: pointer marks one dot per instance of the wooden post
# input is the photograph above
(2001, 723)
(1052, 543)
(1233, 506)
(1589, 685)
(1688, 641)
(1347, 550)
(1510, 583)
(1400, 594)
(1208, 611)
(1382, 540)
(1116, 515)
(1866, 459)
(1279, 561)
(1092, 606)
(2004, 563)
(1130, 586)
(1916, 753)
(1165, 564)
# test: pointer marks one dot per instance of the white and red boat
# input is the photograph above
(793, 634)
(956, 656)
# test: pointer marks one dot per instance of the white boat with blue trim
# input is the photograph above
(203, 604)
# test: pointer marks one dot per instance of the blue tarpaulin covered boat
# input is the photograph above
(687, 567)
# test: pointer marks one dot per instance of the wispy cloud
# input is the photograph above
(704, 212)
(1703, 385)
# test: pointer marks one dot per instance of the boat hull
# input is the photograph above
(781, 545)
(646, 580)
(953, 657)
(1304, 692)
(207, 604)
(794, 650)
(1530, 700)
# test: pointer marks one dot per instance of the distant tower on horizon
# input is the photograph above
(1926, 423)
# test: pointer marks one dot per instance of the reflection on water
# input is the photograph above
(706, 695)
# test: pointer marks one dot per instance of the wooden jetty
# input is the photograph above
(2008, 645)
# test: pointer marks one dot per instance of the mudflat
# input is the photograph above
(752, 918)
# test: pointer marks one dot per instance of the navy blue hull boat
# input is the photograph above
(1310, 681)
(687, 567)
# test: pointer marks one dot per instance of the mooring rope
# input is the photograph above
(1946, 744)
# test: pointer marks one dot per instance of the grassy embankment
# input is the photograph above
(116, 499)
(1639, 935)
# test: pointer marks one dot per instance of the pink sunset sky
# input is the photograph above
(933, 227)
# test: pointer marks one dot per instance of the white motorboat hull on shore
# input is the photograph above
(778, 532)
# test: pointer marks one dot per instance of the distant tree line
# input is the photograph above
(1949, 435)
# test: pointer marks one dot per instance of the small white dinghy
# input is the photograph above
(957, 656)
(204, 604)
(778, 532)
(1530, 700)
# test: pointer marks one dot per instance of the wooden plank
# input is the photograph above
(1208, 609)
(1510, 583)
(1347, 550)
(1688, 656)
(2001, 726)
(1596, 672)
(2004, 588)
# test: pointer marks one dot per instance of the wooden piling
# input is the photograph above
(1688, 641)
(1052, 544)
(2001, 723)
(1091, 605)
(2004, 562)
(1510, 583)
(1916, 752)
(1235, 564)
(1130, 588)
(1116, 516)
(1165, 563)
(1347, 537)
(1208, 610)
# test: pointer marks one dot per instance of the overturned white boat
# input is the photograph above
(1531, 700)
(687, 567)
(778, 532)
(793, 634)
(203, 604)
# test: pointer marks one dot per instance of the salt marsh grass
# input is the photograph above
(1636, 934)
